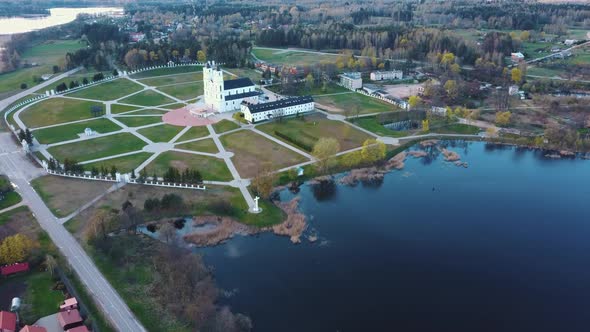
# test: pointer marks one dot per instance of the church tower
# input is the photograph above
(213, 86)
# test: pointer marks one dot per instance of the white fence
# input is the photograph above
(82, 176)
(169, 184)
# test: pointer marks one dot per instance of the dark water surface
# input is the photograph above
(503, 245)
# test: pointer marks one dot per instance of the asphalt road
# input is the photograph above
(16, 165)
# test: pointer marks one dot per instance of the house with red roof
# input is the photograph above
(69, 304)
(7, 321)
(80, 328)
(30, 328)
(69, 319)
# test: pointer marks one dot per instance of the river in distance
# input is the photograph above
(57, 16)
(503, 245)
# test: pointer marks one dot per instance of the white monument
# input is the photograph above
(256, 208)
(88, 132)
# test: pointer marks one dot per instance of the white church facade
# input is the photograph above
(226, 95)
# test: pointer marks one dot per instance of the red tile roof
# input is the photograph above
(7, 321)
(80, 328)
(66, 318)
(29, 328)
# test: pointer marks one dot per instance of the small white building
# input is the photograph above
(256, 112)
(226, 95)
(88, 132)
(351, 81)
(517, 57)
(387, 75)
(570, 42)
(438, 110)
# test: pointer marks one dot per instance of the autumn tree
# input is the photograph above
(503, 118)
(201, 57)
(516, 75)
(324, 150)
(451, 89)
(414, 101)
(15, 248)
(99, 225)
(373, 150)
(352, 159)
(263, 182)
(425, 125)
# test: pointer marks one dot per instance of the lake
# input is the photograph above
(57, 16)
(503, 245)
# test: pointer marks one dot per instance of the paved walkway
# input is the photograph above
(10, 208)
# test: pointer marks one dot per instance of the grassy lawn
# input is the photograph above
(253, 153)
(548, 72)
(123, 164)
(97, 148)
(147, 98)
(162, 133)
(173, 79)
(291, 57)
(371, 124)
(194, 132)
(578, 34)
(56, 110)
(252, 74)
(64, 195)
(116, 108)
(167, 71)
(46, 55)
(211, 168)
(184, 91)
(40, 297)
(457, 128)
(11, 198)
(204, 145)
(138, 121)
(349, 103)
(225, 125)
(109, 90)
(312, 127)
(315, 91)
(71, 131)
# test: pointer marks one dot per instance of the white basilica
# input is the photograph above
(226, 96)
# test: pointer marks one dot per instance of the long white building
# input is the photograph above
(226, 95)
(387, 75)
(256, 112)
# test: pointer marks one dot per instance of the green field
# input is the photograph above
(350, 103)
(184, 91)
(315, 91)
(97, 148)
(45, 55)
(138, 121)
(225, 125)
(147, 98)
(173, 106)
(371, 123)
(173, 79)
(167, 71)
(313, 127)
(116, 108)
(204, 145)
(41, 297)
(162, 133)
(148, 111)
(11, 198)
(211, 168)
(194, 132)
(294, 58)
(111, 90)
(124, 164)
(56, 110)
(71, 131)
(252, 74)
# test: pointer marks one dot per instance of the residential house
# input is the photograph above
(351, 80)
(517, 57)
(69, 319)
(29, 328)
(7, 321)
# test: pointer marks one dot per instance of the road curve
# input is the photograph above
(15, 164)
